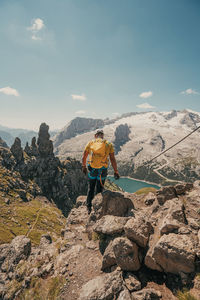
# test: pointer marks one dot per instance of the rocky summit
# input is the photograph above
(131, 247)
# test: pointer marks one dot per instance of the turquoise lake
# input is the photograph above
(131, 185)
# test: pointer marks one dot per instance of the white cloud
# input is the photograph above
(80, 112)
(145, 106)
(190, 92)
(36, 38)
(145, 95)
(9, 91)
(37, 25)
(79, 97)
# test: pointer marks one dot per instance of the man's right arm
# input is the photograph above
(84, 159)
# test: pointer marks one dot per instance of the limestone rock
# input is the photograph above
(111, 203)
(138, 230)
(124, 295)
(45, 145)
(78, 215)
(63, 258)
(81, 201)
(175, 253)
(4, 252)
(3, 144)
(108, 257)
(146, 294)
(150, 198)
(20, 247)
(132, 282)
(181, 189)
(110, 225)
(11, 254)
(45, 240)
(34, 147)
(150, 261)
(175, 217)
(169, 226)
(17, 150)
(27, 149)
(103, 287)
(126, 254)
(165, 193)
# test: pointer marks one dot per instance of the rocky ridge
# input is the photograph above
(131, 247)
(60, 182)
(75, 127)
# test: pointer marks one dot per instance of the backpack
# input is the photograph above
(99, 147)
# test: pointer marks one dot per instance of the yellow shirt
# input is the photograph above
(99, 151)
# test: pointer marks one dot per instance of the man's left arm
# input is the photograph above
(114, 165)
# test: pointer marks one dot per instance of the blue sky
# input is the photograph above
(96, 58)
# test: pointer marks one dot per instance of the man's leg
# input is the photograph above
(90, 194)
(101, 178)
(100, 186)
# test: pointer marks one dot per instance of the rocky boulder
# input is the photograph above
(111, 203)
(105, 287)
(132, 282)
(175, 253)
(126, 254)
(138, 229)
(110, 225)
(165, 193)
(147, 294)
(81, 201)
(11, 254)
(109, 258)
(150, 198)
(175, 217)
(124, 295)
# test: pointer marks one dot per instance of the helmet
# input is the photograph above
(99, 131)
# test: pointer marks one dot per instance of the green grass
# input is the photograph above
(185, 295)
(109, 185)
(145, 191)
(16, 217)
(43, 289)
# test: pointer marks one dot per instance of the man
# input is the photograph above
(100, 150)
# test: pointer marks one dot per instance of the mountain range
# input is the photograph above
(137, 138)
(25, 135)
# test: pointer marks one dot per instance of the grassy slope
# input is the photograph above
(32, 218)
